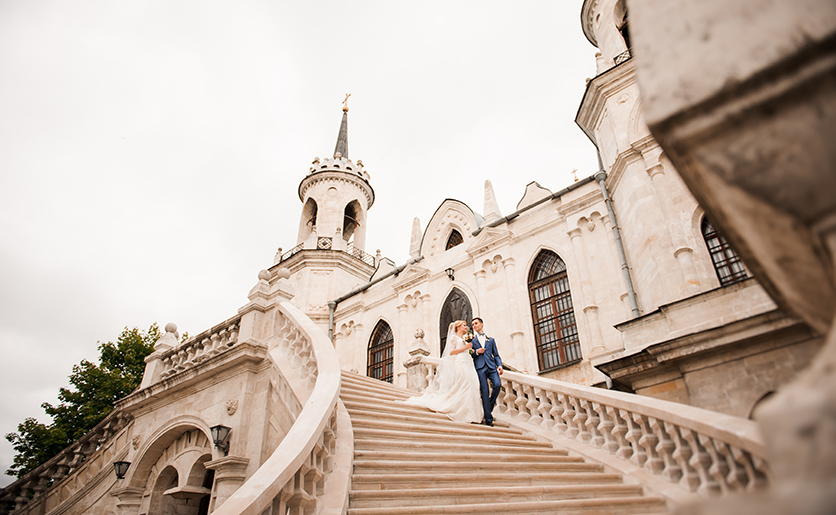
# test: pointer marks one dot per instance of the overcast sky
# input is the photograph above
(150, 151)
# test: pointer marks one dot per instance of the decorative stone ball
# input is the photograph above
(283, 273)
(419, 333)
(264, 275)
(171, 327)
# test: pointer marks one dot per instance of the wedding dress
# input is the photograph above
(455, 389)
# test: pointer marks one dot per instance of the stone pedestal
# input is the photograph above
(230, 474)
(416, 372)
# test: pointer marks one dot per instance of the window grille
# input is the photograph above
(381, 353)
(726, 262)
(555, 329)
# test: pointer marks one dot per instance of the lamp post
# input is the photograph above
(219, 434)
(450, 274)
(121, 468)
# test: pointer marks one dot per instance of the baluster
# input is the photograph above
(233, 334)
(511, 398)
(580, 420)
(719, 469)
(682, 454)
(568, 416)
(544, 407)
(701, 462)
(592, 421)
(634, 436)
(755, 479)
(619, 431)
(521, 402)
(649, 441)
(533, 406)
(214, 344)
(737, 478)
(665, 448)
(556, 412)
(606, 426)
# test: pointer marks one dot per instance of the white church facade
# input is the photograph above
(620, 284)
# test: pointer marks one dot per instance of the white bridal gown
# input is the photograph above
(455, 389)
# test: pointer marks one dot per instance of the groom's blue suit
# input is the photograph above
(486, 365)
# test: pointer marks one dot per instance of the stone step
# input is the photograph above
(394, 467)
(538, 456)
(444, 446)
(480, 495)
(371, 394)
(452, 428)
(432, 481)
(605, 505)
(373, 384)
(463, 439)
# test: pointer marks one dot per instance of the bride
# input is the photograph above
(455, 388)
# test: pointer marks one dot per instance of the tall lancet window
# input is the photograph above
(381, 353)
(351, 217)
(554, 318)
(454, 239)
(727, 264)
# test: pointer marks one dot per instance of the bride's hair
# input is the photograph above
(455, 325)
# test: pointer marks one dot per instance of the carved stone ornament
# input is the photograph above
(231, 406)
(136, 441)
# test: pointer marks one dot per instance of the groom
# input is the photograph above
(488, 367)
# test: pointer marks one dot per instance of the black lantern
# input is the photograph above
(450, 274)
(121, 468)
(219, 434)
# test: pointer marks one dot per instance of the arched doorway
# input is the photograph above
(456, 307)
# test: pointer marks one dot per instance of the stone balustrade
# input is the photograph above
(293, 479)
(705, 452)
(69, 472)
(200, 348)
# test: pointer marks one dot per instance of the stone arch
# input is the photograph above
(159, 503)
(555, 327)
(380, 362)
(154, 446)
(456, 306)
(353, 221)
(307, 222)
(450, 215)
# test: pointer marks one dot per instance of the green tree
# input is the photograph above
(95, 389)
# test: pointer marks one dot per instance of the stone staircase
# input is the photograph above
(409, 460)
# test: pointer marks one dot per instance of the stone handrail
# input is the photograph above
(292, 480)
(702, 451)
(200, 348)
(37, 486)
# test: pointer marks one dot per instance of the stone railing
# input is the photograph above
(76, 468)
(702, 451)
(293, 479)
(200, 348)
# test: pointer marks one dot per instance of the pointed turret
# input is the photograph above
(491, 207)
(341, 150)
(337, 196)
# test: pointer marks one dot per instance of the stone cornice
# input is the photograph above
(245, 356)
(337, 176)
(410, 277)
(327, 258)
(583, 202)
(487, 240)
(599, 90)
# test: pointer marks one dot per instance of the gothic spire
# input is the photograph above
(342, 137)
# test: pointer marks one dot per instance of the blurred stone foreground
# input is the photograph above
(742, 97)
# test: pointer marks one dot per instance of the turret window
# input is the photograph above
(726, 262)
(454, 239)
(381, 353)
(555, 330)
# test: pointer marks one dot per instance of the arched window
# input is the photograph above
(554, 318)
(351, 217)
(727, 264)
(381, 352)
(455, 307)
(454, 239)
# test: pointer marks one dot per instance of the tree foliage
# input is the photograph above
(95, 388)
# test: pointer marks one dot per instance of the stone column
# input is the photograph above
(682, 250)
(590, 308)
(400, 350)
(526, 352)
(482, 291)
(230, 474)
